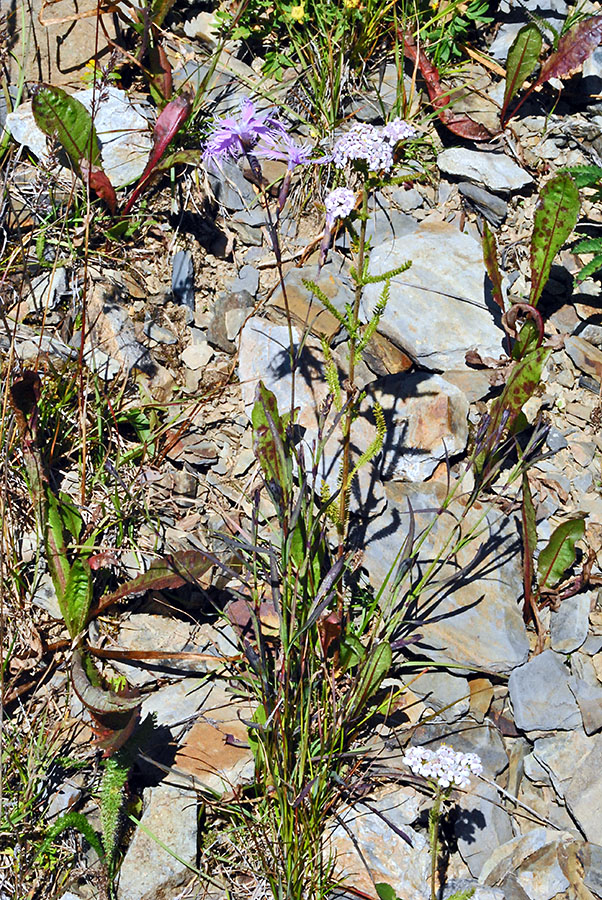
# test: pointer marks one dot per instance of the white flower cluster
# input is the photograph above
(446, 766)
(339, 203)
(371, 145)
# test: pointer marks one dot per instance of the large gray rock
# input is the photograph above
(532, 859)
(495, 171)
(427, 420)
(570, 623)
(437, 309)
(388, 857)
(123, 133)
(558, 754)
(474, 618)
(583, 794)
(540, 695)
(149, 872)
(481, 826)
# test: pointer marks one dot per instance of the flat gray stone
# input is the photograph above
(482, 825)
(427, 420)
(558, 754)
(540, 695)
(494, 171)
(447, 694)
(149, 872)
(570, 623)
(182, 278)
(583, 794)
(388, 857)
(474, 622)
(437, 309)
(589, 701)
(532, 859)
(123, 132)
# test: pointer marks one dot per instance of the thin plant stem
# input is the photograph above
(350, 388)
(434, 816)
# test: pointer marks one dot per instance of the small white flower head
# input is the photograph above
(339, 203)
(445, 766)
(371, 145)
(364, 143)
(399, 130)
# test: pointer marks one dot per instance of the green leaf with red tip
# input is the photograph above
(61, 116)
(555, 217)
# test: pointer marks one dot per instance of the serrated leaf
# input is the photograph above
(573, 49)
(555, 217)
(77, 597)
(523, 57)
(521, 385)
(63, 117)
(586, 176)
(591, 268)
(559, 553)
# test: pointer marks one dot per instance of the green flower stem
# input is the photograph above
(350, 388)
(434, 817)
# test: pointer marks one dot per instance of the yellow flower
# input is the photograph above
(351, 4)
(298, 13)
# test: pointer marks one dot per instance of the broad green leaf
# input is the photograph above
(527, 340)
(371, 674)
(555, 217)
(586, 176)
(77, 597)
(523, 57)
(270, 446)
(559, 553)
(351, 652)
(63, 117)
(521, 385)
(56, 551)
(385, 891)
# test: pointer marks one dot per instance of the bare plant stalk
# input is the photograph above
(345, 486)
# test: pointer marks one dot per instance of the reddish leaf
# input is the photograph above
(573, 49)
(100, 184)
(97, 699)
(162, 72)
(166, 127)
(457, 123)
(185, 566)
(491, 264)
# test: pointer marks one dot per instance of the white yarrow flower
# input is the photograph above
(446, 766)
(339, 203)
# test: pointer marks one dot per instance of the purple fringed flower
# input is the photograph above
(233, 136)
(339, 203)
(283, 148)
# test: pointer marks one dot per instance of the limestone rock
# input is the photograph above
(437, 309)
(540, 695)
(495, 171)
